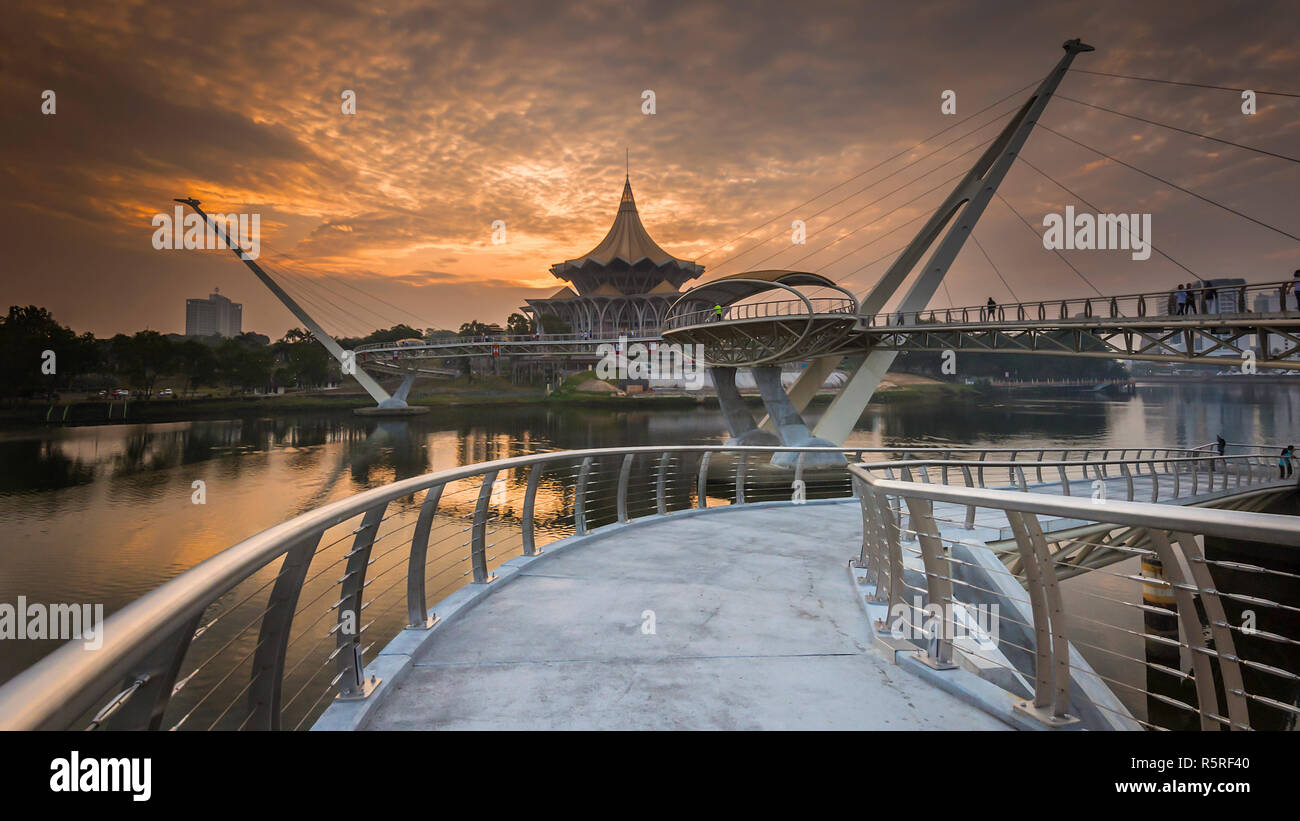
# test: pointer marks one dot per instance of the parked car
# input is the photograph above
(166, 392)
(120, 392)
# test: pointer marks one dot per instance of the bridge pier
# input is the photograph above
(740, 422)
(789, 424)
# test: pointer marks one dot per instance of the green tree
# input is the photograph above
(473, 328)
(142, 358)
(552, 324)
(25, 334)
(519, 325)
(196, 362)
(306, 362)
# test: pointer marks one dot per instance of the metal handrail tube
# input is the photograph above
(68, 682)
(1261, 527)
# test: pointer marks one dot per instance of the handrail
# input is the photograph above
(148, 638)
(137, 670)
(1129, 306)
(1164, 535)
(810, 306)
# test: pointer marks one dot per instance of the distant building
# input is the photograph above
(214, 316)
(624, 285)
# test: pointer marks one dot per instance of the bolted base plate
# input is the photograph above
(428, 622)
(367, 687)
(934, 663)
(1043, 714)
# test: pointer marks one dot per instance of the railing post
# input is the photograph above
(1051, 701)
(1224, 646)
(579, 502)
(1065, 479)
(701, 482)
(892, 569)
(267, 678)
(149, 686)
(417, 607)
(970, 509)
(740, 479)
(938, 583)
(1128, 478)
(661, 499)
(478, 533)
(353, 686)
(624, 474)
(528, 517)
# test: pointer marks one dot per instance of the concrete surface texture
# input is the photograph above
(736, 620)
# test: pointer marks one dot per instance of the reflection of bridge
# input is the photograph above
(532, 576)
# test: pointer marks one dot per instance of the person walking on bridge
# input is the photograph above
(991, 310)
(1295, 286)
(1284, 462)
(1180, 296)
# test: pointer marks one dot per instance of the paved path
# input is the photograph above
(756, 627)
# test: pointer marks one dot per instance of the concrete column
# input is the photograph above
(806, 386)
(739, 420)
(789, 424)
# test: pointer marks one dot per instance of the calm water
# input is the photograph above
(104, 514)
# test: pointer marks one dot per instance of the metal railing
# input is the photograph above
(1227, 302)
(762, 310)
(264, 634)
(1204, 655)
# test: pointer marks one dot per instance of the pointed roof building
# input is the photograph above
(625, 283)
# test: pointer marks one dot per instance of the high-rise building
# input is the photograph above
(214, 316)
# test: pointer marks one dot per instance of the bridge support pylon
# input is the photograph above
(740, 422)
(788, 423)
(958, 214)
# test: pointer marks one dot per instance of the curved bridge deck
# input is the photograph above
(755, 627)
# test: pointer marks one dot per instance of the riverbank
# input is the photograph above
(482, 392)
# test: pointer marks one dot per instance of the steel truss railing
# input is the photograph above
(1221, 303)
(906, 503)
(762, 310)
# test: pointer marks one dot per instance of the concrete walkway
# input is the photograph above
(755, 626)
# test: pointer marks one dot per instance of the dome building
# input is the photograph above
(622, 286)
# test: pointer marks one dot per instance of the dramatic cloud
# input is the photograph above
(468, 113)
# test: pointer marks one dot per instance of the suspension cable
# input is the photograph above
(1171, 184)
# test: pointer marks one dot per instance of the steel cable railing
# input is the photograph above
(1207, 655)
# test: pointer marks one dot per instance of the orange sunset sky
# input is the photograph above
(473, 112)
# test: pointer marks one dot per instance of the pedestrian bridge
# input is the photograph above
(697, 586)
(757, 329)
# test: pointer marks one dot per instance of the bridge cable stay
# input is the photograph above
(311, 292)
(847, 278)
(1179, 83)
(338, 316)
(887, 214)
(883, 162)
(1039, 236)
(976, 240)
(381, 396)
(318, 280)
(343, 281)
(1080, 198)
(910, 163)
(1172, 184)
(1182, 130)
(949, 227)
